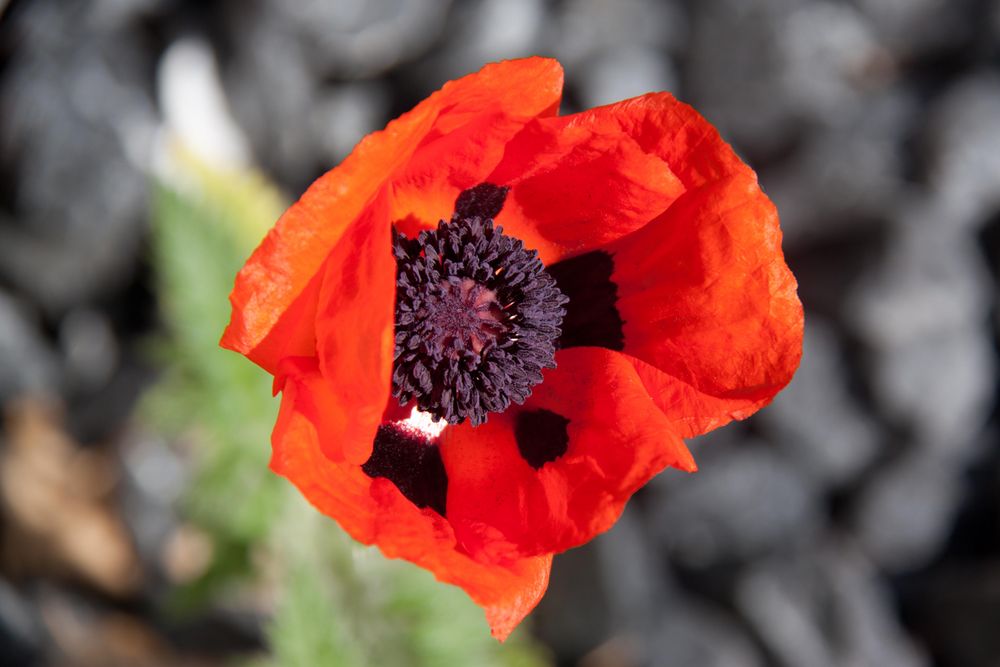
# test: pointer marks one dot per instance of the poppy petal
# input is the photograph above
(709, 305)
(671, 130)
(280, 271)
(425, 192)
(374, 511)
(354, 326)
(574, 188)
(552, 474)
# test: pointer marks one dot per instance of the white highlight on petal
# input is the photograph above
(424, 424)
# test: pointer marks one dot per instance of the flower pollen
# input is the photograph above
(477, 319)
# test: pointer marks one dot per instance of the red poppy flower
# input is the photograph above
(491, 325)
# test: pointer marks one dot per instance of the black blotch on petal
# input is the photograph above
(592, 316)
(541, 436)
(412, 463)
(484, 201)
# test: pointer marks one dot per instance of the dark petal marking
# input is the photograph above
(483, 201)
(541, 436)
(592, 316)
(412, 463)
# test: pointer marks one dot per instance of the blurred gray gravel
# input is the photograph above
(856, 521)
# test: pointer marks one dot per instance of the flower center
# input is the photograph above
(463, 315)
(477, 319)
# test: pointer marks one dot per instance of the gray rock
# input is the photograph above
(482, 31)
(963, 138)
(346, 113)
(57, 273)
(361, 38)
(815, 421)
(763, 70)
(954, 608)
(743, 503)
(917, 27)
(624, 73)
(22, 634)
(922, 313)
(657, 623)
(272, 89)
(904, 514)
(112, 14)
(863, 625)
(285, 54)
(153, 482)
(932, 280)
(846, 175)
(73, 113)
(779, 601)
(89, 348)
(575, 585)
(634, 583)
(27, 366)
(829, 59)
(498, 29)
(824, 606)
(695, 634)
(940, 388)
(587, 28)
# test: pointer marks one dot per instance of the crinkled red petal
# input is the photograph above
(712, 319)
(709, 305)
(276, 281)
(576, 188)
(712, 325)
(373, 511)
(354, 327)
(503, 508)
(670, 130)
(425, 191)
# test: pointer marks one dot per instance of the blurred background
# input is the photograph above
(145, 147)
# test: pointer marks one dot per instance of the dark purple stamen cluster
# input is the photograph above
(477, 318)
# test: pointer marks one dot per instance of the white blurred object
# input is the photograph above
(194, 105)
